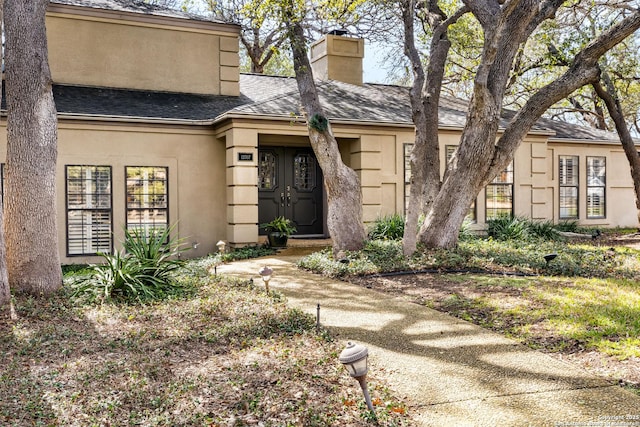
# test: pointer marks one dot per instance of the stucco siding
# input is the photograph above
(90, 52)
(196, 180)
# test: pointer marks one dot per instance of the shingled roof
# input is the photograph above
(377, 103)
(92, 101)
(272, 97)
(136, 6)
(369, 103)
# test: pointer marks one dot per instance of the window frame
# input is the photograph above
(108, 210)
(603, 187)
(497, 182)
(576, 186)
(143, 225)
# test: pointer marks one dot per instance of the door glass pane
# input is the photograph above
(304, 171)
(267, 178)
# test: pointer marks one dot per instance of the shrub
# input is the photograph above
(520, 228)
(507, 228)
(543, 229)
(390, 227)
(142, 271)
(568, 226)
(247, 252)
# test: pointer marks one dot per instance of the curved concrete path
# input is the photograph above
(450, 372)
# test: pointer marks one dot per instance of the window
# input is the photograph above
(147, 198)
(568, 177)
(88, 194)
(471, 215)
(407, 174)
(596, 181)
(499, 195)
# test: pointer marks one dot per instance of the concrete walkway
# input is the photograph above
(450, 372)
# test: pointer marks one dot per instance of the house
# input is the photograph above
(158, 126)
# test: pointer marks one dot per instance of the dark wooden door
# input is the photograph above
(290, 185)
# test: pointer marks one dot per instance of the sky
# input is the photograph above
(373, 63)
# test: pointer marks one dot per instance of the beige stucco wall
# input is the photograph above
(108, 52)
(213, 195)
(196, 174)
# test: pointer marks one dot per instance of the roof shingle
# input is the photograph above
(277, 97)
(137, 6)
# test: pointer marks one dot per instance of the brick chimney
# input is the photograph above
(336, 57)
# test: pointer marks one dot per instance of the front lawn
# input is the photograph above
(584, 305)
(221, 353)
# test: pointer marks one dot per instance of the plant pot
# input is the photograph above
(277, 239)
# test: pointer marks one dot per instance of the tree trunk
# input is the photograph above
(30, 201)
(615, 111)
(425, 103)
(5, 294)
(479, 158)
(344, 195)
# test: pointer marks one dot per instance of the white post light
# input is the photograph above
(355, 358)
(266, 272)
(221, 246)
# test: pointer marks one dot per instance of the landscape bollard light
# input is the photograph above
(354, 358)
(266, 272)
(221, 245)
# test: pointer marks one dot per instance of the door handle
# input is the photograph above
(281, 199)
(288, 199)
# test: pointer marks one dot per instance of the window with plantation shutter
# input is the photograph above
(569, 180)
(147, 198)
(499, 195)
(596, 182)
(89, 214)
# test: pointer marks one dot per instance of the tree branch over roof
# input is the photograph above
(583, 71)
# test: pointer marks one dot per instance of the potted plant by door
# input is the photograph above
(278, 231)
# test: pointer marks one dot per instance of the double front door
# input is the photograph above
(290, 185)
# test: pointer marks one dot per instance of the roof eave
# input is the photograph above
(133, 119)
(149, 19)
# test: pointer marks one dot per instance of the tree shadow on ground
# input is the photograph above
(442, 362)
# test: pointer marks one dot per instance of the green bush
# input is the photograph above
(390, 227)
(247, 252)
(543, 229)
(507, 228)
(143, 271)
(520, 228)
(568, 226)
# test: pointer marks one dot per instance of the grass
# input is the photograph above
(224, 354)
(584, 304)
(522, 257)
(595, 314)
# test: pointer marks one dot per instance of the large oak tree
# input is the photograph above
(5, 294)
(30, 197)
(342, 184)
(483, 152)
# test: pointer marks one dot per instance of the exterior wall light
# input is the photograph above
(355, 358)
(221, 246)
(266, 272)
